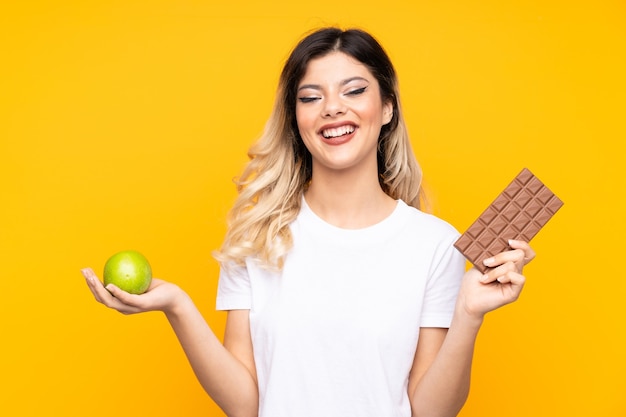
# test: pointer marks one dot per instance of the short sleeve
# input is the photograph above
(443, 286)
(233, 289)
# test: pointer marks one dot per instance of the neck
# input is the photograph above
(348, 200)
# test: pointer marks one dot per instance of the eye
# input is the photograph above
(307, 99)
(356, 92)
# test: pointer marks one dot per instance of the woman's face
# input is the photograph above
(340, 112)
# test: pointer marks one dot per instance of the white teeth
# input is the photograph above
(338, 131)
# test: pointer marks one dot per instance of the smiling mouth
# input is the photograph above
(337, 131)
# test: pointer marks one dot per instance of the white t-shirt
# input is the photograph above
(334, 334)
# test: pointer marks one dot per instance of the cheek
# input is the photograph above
(371, 110)
(303, 120)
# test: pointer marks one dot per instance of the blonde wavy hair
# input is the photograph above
(271, 186)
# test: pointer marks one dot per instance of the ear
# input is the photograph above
(387, 112)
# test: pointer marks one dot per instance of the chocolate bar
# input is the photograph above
(519, 212)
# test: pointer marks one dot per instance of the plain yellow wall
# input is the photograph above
(123, 122)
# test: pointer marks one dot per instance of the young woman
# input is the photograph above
(343, 298)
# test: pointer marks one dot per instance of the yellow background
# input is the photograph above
(122, 124)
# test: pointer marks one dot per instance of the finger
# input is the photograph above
(495, 273)
(515, 256)
(112, 294)
(104, 296)
(512, 285)
(88, 274)
(92, 282)
(126, 298)
(529, 253)
(512, 277)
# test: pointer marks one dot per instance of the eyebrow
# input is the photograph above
(342, 83)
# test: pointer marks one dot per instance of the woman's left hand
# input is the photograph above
(501, 285)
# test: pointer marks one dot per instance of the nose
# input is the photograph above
(333, 106)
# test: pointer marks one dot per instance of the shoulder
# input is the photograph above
(425, 223)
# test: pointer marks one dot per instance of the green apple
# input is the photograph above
(128, 270)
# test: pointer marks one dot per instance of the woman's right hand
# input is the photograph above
(160, 296)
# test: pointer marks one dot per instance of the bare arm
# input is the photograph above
(224, 371)
(227, 375)
(440, 378)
